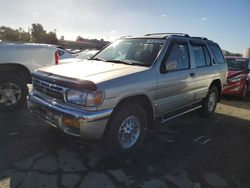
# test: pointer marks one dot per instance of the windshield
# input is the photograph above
(237, 64)
(132, 51)
(86, 54)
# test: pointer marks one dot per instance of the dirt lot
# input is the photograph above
(188, 152)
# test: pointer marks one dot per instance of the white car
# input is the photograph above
(64, 54)
(86, 54)
(17, 62)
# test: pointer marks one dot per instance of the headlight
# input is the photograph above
(89, 99)
(235, 79)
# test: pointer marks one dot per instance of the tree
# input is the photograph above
(79, 38)
(51, 38)
(23, 35)
(8, 34)
(38, 34)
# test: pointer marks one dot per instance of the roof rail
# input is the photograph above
(202, 38)
(167, 34)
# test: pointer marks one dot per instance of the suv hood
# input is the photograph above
(95, 71)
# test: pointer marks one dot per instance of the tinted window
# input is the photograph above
(60, 52)
(207, 56)
(236, 64)
(132, 51)
(178, 58)
(217, 53)
(199, 56)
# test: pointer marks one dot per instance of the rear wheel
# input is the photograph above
(210, 102)
(13, 92)
(126, 129)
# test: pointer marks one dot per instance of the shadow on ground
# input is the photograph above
(186, 152)
(237, 102)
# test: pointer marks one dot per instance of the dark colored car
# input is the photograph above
(238, 76)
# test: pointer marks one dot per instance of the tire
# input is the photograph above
(244, 94)
(210, 102)
(13, 92)
(118, 125)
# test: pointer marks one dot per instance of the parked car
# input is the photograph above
(17, 61)
(238, 82)
(118, 94)
(86, 54)
(64, 54)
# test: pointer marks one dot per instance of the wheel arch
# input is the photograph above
(142, 100)
(217, 83)
(22, 71)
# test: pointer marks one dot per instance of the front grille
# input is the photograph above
(48, 90)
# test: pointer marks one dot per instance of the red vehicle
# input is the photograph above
(238, 76)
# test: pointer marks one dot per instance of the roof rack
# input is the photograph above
(202, 38)
(167, 34)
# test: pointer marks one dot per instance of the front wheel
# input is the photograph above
(126, 129)
(210, 102)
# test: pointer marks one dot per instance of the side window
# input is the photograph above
(199, 56)
(217, 53)
(249, 65)
(60, 52)
(207, 56)
(178, 58)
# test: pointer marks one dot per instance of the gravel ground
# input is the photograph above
(188, 152)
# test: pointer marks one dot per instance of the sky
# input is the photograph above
(226, 22)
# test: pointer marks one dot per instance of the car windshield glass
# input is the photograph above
(86, 54)
(140, 52)
(237, 64)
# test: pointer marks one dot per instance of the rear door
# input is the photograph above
(204, 70)
(175, 78)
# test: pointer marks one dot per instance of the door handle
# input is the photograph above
(192, 74)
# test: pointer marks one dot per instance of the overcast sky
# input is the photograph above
(224, 21)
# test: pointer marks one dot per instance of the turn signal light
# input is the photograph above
(71, 122)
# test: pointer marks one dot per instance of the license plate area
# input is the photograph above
(45, 114)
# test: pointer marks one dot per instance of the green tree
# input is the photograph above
(51, 38)
(24, 36)
(38, 34)
(8, 34)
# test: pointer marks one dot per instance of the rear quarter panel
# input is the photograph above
(30, 56)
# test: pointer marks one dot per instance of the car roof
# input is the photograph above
(236, 57)
(166, 35)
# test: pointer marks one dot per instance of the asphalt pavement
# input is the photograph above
(188, 152)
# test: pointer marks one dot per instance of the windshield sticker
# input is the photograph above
(155, 41)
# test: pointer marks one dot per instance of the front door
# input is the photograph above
(175, 78)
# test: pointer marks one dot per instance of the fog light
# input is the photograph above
(71, 122)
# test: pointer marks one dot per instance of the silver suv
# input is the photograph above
(122, 90)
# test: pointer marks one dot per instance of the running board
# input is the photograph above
(165, 119)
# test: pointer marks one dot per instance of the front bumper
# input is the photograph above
(235, 89)
(91, 124)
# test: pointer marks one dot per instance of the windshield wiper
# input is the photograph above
(125, 62)
(119, 61)
(97, 59)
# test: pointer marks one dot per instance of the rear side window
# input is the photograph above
(217, 53)
(207, 56)
(199, 56)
